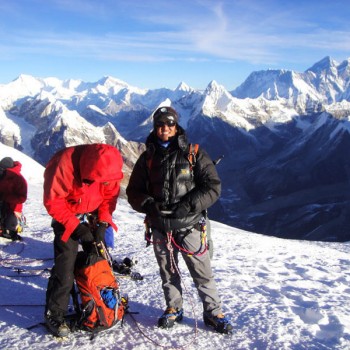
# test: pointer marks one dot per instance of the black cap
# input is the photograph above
(6, 162)
(165, 114)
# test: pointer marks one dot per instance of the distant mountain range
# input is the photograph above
(284, 136)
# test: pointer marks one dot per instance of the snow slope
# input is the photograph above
(280, 294)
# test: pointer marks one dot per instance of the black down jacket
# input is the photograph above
(165, 175)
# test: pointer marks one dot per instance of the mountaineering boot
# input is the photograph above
(220, 323)
(13, 235)
(169, 317)
(56, 324)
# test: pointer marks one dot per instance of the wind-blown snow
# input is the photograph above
(280, 294)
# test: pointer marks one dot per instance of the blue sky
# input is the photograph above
(159, 43)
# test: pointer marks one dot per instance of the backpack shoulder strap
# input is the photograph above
(192, 152)
(149, 156)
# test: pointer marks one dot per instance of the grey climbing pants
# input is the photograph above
(199, 267)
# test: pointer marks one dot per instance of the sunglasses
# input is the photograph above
(169, 123)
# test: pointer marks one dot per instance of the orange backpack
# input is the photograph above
(101, 305)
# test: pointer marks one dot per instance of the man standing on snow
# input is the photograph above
(79, 182)
(174, 194)
(13, 193)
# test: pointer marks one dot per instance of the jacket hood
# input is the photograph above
(100, 163)
(17, 167)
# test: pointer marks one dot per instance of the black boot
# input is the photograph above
(56, 324)
(13, 235)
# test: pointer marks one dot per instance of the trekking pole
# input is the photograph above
(102, 250)
(218, 160)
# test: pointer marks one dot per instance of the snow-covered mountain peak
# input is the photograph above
(24, 85)
(26, 79)
(109, 82)
(216, 100)
(324, 65)
(183, 87)
(322, 83)
(112, 86)
(214, 86)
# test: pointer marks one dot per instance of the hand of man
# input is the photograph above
(83, 233)
(179, 210)
(152, 208)
(100, 232)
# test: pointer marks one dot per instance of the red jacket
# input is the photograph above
(13, 188)
(65, 193)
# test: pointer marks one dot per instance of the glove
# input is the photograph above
(83, 233)
(179, 210)
(152, 208)
(100, 232)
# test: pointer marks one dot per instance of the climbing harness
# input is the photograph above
(202, 228)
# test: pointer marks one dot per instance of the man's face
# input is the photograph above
(165, 130)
